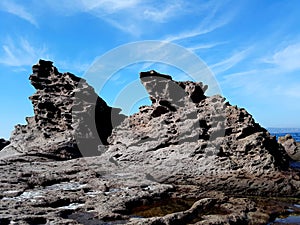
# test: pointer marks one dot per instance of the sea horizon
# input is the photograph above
(280, 132)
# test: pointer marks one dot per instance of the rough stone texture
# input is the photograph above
(3, 143)
(93, 191)
(64, 117)
(186, 159)
(291, 147)
(187, 137)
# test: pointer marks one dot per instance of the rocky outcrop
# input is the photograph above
(186, 159)
(291, 147)
(3, 143)
(185, 136)
(67, 114)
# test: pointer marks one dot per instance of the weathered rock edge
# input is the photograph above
(185, 137)
(64, 108)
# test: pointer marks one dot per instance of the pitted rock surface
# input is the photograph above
(186, 159)
(185, 136)
(67, 114)
(291, 147)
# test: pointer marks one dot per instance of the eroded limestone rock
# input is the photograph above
(70, 120)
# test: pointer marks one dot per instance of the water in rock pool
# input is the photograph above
(292, 218)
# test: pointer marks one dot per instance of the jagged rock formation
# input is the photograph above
(3, 143)
(184, 153)
(185, 136)
(67, 113)
(291, 147)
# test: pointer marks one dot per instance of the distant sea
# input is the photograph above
(279, 132)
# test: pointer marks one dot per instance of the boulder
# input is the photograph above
(291, 147)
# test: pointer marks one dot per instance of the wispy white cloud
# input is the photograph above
(74, 66)
(230, 62)
(213, 20)
(129, 16)
(243, 79)
(133, 16)
(17, 10)
(20, 52)
(108, 6)
(199, 30)
(286, 59)
(263, 82)
(105, 7)
(137, 9)
(162, 15)
(205, 46)
(130, 28)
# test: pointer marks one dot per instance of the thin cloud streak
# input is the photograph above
(133, 16)
(76, 67)
(205, 46)
(261, 82)
(137, 9)
(162, 15)
(230, 62)
(20, 52)
(128, 16)
(200, 30)
(209, 23)
(108, 6)
(18, 10)
(286, 59)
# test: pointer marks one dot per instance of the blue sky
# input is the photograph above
(252, 47)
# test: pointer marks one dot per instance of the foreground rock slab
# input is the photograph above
(93, 191)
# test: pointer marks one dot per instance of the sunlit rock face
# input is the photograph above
(291, 147)
(185, 135)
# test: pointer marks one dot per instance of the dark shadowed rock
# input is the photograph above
(3, 143)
